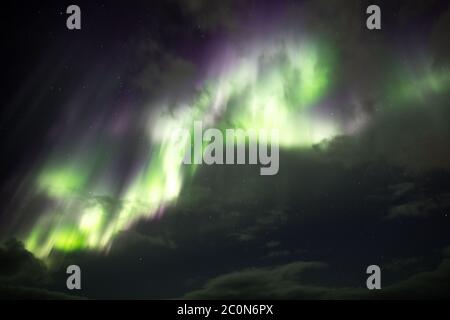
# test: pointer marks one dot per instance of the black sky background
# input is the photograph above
(309, 232)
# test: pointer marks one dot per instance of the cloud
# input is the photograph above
(418, 208)
(260, 283)
(402, 264)
(131, 238)
(209, 15)
(27, 293)
(22, 276)
(290, 281)
(272, 244)
(422, 200)
(424, 285)
(265, 222)
(413, 136)
(165, 75)
(17, 265)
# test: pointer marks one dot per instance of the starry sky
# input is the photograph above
(90, 175)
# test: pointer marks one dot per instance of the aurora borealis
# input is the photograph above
(275, 87)
(361, 116)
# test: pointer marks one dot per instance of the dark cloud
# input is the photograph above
(312, 222)
(131, 238)
(27, 293)
(260, 283)
(17, 265)
(431, 284)
(210, 16)
(290, 282)
(440, 46)
(22, 276)
(438, 204)
(414, 136)
(164, 75)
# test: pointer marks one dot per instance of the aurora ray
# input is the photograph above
(275, 86)
(278, 86)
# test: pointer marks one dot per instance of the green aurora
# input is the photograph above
(278, 86)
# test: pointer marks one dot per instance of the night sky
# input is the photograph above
(89, 175)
